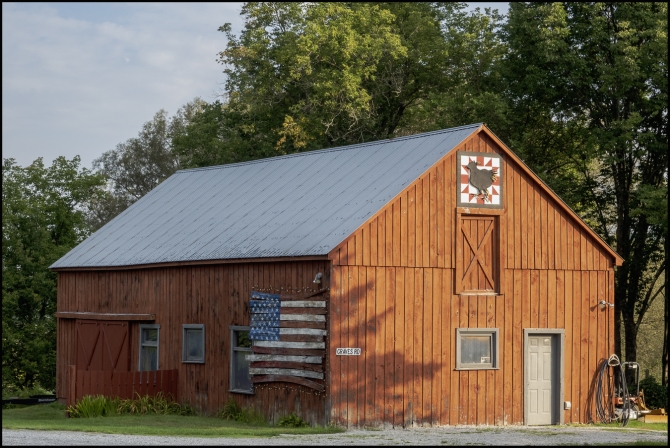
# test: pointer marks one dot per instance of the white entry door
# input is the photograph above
(541, 384)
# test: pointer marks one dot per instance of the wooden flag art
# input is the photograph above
(288, 334)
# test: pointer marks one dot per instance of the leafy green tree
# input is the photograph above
(139, 164)
(587, 85)
(206, 141)
(304, 76)
(43, 217)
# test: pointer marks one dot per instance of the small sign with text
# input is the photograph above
(348, 351)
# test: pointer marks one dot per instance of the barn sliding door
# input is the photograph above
(102, 345)
(477, 252)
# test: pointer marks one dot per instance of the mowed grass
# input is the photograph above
(634, 424)
(52, 417)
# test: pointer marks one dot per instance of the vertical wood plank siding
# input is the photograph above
(214, 295)
(552, 276)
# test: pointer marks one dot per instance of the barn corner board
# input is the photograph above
(447, 269)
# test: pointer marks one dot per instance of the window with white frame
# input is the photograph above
(240, 347)
(149, 344)
(476, 348)
(193, 343)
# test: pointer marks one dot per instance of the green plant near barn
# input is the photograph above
(99, 406)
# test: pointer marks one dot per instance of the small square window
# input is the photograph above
(149, 338)
(193, 343)
(476, 348)
(240, 347)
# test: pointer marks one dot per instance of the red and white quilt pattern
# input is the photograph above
(470, 194)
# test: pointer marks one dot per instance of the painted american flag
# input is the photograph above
(288, 334)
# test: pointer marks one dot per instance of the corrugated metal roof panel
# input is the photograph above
(295, 205)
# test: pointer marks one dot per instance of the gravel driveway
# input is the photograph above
(454, 435)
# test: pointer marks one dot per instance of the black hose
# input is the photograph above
(604, 405)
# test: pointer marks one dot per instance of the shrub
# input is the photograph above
(233, 411)
(292, 421)
(158, 404)
(10, 391)
(655, 394)
(99, 406)
(94, 406)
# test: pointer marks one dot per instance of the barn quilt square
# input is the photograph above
(479, 179)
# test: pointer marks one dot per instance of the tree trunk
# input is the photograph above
(666, 315)
(630, 334)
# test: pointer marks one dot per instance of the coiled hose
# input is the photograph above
(604, 404)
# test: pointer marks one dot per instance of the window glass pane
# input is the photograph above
(148, 358)
(241, 379)
(194, 344)
(149, 335)
(242, 339)
(476, 349)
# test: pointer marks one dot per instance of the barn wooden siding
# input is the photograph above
(393, 296)
(214, 295)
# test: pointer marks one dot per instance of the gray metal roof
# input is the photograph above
(296, 205)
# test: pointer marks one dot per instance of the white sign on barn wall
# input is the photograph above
(348, 351)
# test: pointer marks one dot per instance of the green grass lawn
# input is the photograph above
(634, 424)
(52, 417)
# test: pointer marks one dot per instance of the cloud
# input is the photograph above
(77, 80)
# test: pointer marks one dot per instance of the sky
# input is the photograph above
(79, 78)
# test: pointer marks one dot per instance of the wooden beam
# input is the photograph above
(290, 372)
(103, 316)
(303, 310)
(304, 303)
(302, 317)
(301, 338)
(480, 211)
(299, 324)
(303, 331)
(280, 344)
(285, 359)
(286, 365)
(287, 351)
(288, 379)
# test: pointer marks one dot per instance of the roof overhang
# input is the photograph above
(193, 263)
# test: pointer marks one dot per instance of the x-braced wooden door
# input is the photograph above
(102, 345)
(477, 254)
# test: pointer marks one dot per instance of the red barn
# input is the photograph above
(429, 279)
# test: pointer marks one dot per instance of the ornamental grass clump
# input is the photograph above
(94, 406)
(99, 406)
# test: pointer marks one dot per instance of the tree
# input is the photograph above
(43, 217)
(139, 164)
(304, 76)
(590, 81)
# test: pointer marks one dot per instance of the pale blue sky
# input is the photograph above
(79, 78)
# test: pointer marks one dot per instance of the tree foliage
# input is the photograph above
(305, 76)
(139, 164)
(587, 83)
(43, 217)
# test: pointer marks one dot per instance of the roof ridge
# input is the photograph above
(337, 148)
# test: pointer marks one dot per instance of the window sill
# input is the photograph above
(238, 391)
(192, 362)
(477, 368)
(479, 293)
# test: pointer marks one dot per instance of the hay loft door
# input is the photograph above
(477, 254)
